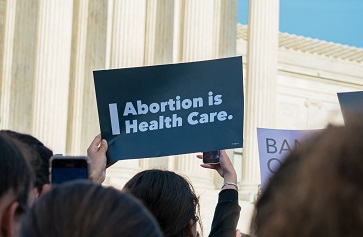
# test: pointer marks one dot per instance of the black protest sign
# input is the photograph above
(351, 104)
(171, 109)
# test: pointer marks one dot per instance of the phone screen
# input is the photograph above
(68, 169)
(211, 157)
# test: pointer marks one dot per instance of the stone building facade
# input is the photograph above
(50, 48)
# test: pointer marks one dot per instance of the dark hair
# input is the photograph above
(16, 174)
(83, 209)
(318, 190)
(39, 156)
(169, 197)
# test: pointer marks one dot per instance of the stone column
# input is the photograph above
(18, 37)
(88, 54)
(197, 30)
(260, 87)
(52, 69)
(77, 77)
(225, 20)
(159, 32)
(208, 29)
(177, 30)
(8, 12)
(128, 33)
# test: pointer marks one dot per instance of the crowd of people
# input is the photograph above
(152, 203)
(317, 191)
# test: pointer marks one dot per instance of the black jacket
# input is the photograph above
(226, 214)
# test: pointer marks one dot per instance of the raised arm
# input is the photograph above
(227, 211)
(97, 152)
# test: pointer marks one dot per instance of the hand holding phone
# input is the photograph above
(211, 157)
(68, 168)
(224, 168)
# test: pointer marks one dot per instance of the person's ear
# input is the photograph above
(9, 220)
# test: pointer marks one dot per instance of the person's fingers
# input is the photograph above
(103, 146)
(94, 144)
(101, 159)
(200, 156)
(209, 166)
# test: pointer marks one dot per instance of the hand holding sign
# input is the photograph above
(97, 153)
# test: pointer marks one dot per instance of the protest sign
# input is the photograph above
(273, 146)
(171, 109)
(351, 103)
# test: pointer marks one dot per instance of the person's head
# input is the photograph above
(39, 157)
(170, 198)
(83, 209)
(16, 182)
(318, 190)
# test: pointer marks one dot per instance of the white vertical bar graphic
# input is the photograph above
(114, 119)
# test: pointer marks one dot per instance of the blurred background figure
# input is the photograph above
(38, 158)
(318, 191)
(16, 182)
(83, 209)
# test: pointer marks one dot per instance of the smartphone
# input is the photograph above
(211, 157)
(68, 168)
